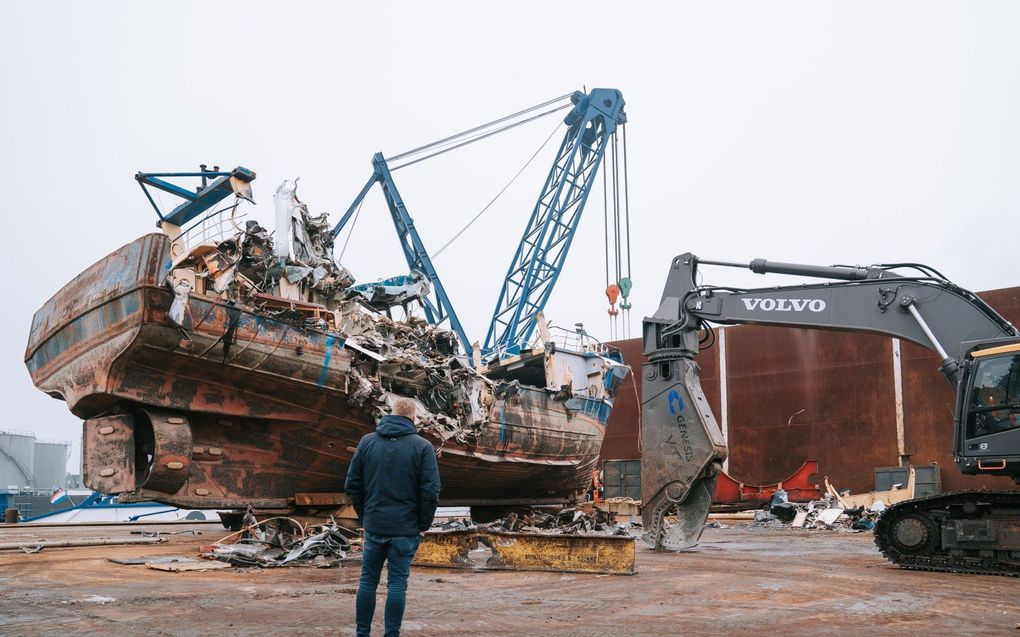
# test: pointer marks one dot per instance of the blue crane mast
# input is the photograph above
(542, 251)
(543, 248)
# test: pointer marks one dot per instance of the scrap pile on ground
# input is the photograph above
(571, 521)
(282, 541)
(827, 513)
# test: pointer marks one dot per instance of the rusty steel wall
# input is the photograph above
(843, 381)
(622, 432)
(796, 395)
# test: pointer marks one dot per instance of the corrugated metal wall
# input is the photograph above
(799, 394)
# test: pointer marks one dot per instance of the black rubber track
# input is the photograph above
(937, 559)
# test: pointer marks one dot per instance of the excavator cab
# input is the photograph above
(990, 412)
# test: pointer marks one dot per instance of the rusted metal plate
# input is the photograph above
(99, 303)
(321, 499)
(562, 553)
(108, 453)
(798, 487)
(171, 456)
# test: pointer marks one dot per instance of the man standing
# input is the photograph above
(393, 482)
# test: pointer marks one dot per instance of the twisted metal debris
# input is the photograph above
(282, 541)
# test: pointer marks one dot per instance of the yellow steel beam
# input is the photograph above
(529, 552)
(446, 548)
(562, 553)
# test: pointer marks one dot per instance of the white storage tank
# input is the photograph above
(50, 462)
(17, 457)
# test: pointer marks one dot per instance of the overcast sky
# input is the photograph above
(816, 132)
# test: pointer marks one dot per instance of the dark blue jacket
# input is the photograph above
(393, 479)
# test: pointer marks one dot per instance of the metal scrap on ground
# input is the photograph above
(828, 513)
(282, 541)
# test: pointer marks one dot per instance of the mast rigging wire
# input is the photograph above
(498, 194)
(480, 127)
(480, 137)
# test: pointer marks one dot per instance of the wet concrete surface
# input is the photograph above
(740, 580)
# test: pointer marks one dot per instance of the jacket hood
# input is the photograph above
(393, 426)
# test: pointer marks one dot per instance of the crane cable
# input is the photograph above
(481, 137)
(498, 194)
(354, 222)
(469, 131)
(626, 283)
(454, 138)
(619, 250)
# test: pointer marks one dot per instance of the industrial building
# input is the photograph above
(29, 463)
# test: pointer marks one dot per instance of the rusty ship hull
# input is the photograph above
(244, 409)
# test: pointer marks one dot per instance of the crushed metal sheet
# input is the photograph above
(388, 293)
(282, 541)
(827, 513)
(140, 561)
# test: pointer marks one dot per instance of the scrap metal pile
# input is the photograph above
(415, 359)
(297, 281)
(571, 521)
(282, 541)
(826, 513)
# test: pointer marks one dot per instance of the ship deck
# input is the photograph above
(741, 580)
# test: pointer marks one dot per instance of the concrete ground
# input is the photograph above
(740, 580)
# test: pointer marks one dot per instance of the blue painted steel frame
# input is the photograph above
(195, 202)
(546, 241)
(543, 248)
(437, 309)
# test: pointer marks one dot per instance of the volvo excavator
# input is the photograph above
(961, 532)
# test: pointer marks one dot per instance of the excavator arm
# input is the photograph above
(683, 446)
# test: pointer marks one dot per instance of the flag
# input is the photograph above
(59, 495)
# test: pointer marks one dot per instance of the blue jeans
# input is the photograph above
(397, 552)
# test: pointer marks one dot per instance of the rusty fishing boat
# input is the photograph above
(219, 365)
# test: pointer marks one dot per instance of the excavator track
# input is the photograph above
(911, 534)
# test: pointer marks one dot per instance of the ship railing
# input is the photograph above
(50, 441)
(209, 230)
(576, 340)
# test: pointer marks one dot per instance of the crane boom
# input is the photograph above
(543, 249)
(927, 310)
